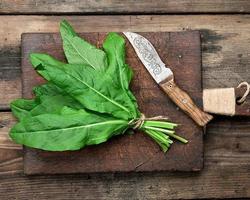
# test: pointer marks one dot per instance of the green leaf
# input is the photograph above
(54, 104)
(48, 89)
(21, 107)
(93, 89)
(114, 46)
(78, 51)
(52, 99)
(68, 130)
(49, 99)
(66, 29)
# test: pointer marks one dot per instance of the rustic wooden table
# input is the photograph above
(225, 28)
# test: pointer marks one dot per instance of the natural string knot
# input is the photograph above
(138, 122)
(243, 98)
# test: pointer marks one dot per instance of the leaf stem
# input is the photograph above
(170, 133)
(160, 124)
(157, 137)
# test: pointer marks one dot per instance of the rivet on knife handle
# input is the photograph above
(183, 100)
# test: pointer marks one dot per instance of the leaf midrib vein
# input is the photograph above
(84, 126)
(99, 93)
(117, 104)
(102, 95)
(85, 59)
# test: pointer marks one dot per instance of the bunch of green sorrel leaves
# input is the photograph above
(86, 101)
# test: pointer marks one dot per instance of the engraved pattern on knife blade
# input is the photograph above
(148, 54)
(149, 57)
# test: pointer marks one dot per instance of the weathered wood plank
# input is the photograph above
(226, 173)
(6, 121)
(121, 6)
(11, 161)
(10, 89)
(220, 184)
(225, 45)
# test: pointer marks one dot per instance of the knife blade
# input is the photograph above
(164, 76)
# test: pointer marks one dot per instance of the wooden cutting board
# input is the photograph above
(137, 152)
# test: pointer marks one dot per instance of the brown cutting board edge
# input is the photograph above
(137, 152)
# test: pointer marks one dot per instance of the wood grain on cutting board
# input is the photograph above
(137, 152)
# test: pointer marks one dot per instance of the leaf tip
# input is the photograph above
(35, 60)
(66, 29)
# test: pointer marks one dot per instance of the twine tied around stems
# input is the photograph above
(138, 122)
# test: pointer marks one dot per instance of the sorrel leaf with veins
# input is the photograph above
(78, 51)
(67, 130)
(114, 46)
(81, 81)
(21, 107)
(49, 99)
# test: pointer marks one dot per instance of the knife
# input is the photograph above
(163, 76)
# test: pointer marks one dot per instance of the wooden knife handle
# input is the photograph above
(183, 100)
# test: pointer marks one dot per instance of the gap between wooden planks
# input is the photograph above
(124, 7)
(226, 172)
(225, 43)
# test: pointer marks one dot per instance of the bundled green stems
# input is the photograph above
(160, 132)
